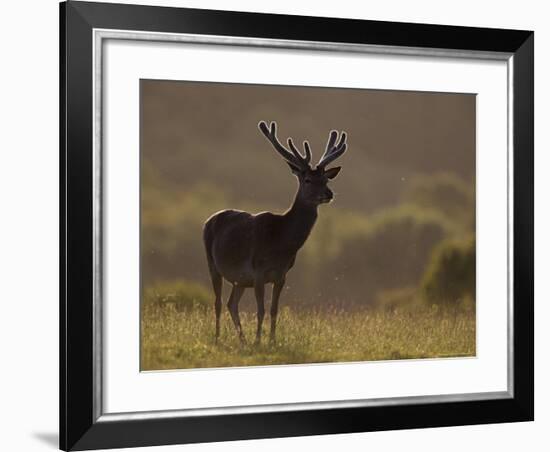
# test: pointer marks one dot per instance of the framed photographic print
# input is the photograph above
(281, 225)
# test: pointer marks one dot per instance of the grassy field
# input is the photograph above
(176, 339)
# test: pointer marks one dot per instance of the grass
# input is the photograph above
(180, 339)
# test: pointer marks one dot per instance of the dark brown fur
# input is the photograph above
(254, 250)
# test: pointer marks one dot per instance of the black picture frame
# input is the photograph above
(80, 428)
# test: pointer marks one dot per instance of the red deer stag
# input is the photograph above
(254, 250)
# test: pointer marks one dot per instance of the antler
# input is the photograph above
(333, 151)
(294, 157)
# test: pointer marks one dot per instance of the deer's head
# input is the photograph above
(313, 181)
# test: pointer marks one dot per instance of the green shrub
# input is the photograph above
(183, 295)
(391, 253)
(445, 193)
(451, 274)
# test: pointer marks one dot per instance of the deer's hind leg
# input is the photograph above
(259, 292)
(233, 307)
(217, 283)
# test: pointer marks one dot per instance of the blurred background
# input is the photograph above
(402, 225)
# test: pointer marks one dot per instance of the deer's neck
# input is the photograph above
(299, 221)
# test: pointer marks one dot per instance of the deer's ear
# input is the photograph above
(295, 170)
(331, 173)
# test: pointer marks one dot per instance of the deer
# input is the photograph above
(252, 250)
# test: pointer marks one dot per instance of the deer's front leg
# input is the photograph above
(259, 291)
(277, 288)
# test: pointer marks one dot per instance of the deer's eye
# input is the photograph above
(307, 181)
